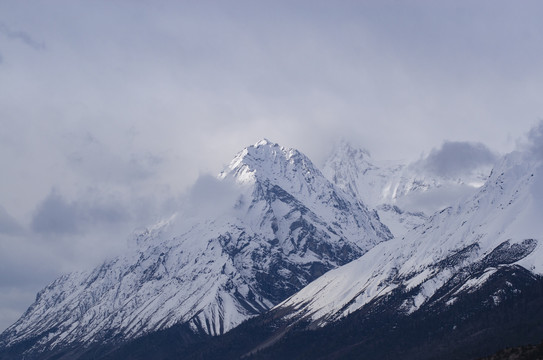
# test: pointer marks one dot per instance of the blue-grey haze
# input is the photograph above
(109, 111)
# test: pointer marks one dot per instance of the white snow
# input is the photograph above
(507, 208)
(400, 193)
(190, 268)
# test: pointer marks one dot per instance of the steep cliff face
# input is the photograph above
(286, 225)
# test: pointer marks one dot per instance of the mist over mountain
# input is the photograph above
(268, 225)
(405, 193)
(274, 246)
(137, 223)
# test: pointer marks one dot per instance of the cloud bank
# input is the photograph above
(54, 215)
(456, 158)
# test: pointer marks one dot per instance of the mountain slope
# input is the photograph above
(455, 252)
(403, 194)
(282, 226)
(473, 326)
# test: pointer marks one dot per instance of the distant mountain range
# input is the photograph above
(286, 261)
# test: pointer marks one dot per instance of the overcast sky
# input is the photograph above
(110, 110)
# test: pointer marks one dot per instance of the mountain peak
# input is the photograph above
(347, 157)
(266, 160)
(344, 147)
(291, 225)
(264, 142)
(349, 167)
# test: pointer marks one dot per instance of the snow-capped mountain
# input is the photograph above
(456, 252)
(353, 170)
(402, 193)
(285, 225)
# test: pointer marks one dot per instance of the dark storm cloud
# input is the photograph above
(56, 216)
(21, 36)
(456, 158)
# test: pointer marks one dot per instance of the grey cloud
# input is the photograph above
(91, 157)
(535, 141)
(456, 158)
(25, 267)
(149, 106)
(21, 36)
(13, 300)
(105, 213)
(210, 196)
(31, 270)
(56, 216)
(110, 167)
(8, 225)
